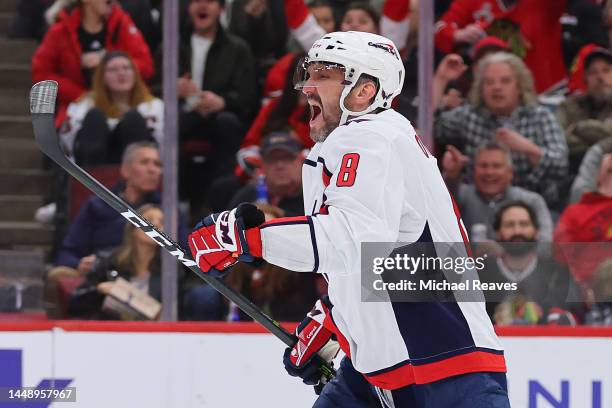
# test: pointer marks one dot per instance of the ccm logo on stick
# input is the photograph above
(138, 222)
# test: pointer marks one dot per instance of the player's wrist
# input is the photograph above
(248, 220)
(253, 238)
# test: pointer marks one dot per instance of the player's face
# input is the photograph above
(492, 173)
(204, 14)
(323, 89)
(516, 226)
(500, 89)
(324, 17)
(358, 20)
(143, 171)
(119, 75)
(598, 79)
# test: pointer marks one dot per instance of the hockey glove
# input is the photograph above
(222, 239)
(315, 345)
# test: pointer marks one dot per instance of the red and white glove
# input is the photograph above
(313, 340)
(222, 239)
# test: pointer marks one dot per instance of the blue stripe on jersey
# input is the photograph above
(310, 163)
(315, 250)
(449, 354)
(430, 328)
(325, 169)
(355, 121)
(313, 238)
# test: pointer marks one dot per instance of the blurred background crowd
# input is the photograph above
(522, 132)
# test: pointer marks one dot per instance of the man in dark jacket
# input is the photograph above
(98, 227)
(218, 94)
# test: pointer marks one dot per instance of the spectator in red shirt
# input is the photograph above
(588, 224)
(531, 28)
(75, 45)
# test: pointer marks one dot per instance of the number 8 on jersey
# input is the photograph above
(348, 170)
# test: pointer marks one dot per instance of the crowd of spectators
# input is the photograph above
(523, 133)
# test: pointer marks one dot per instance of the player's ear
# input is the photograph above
(363, 95)
(367, 90)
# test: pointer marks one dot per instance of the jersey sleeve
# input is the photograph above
(362, 203)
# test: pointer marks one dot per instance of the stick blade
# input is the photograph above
(43, 96)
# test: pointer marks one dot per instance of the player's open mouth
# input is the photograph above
(315, 111)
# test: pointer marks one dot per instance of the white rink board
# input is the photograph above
(579, 361)
(149, 370)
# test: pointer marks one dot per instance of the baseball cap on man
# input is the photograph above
(279, 141)
(597, 53)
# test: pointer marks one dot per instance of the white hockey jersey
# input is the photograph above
(372, 180)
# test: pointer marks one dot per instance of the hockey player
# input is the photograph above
(368, 178)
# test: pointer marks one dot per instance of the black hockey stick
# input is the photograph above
(42, 108)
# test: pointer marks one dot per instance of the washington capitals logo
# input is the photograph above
(385, 47)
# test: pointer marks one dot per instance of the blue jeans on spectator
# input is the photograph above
(203, 302)
(475, 390)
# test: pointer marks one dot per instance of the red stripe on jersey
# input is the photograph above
(474, 362)
(464, 236)
(253, 237)
(330, 325)
(326, 177)
(394, 379)
(285, 220)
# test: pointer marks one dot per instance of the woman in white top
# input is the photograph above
(118, 110)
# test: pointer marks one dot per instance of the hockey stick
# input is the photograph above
(42, 108)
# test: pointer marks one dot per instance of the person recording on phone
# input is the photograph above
(502, 107)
